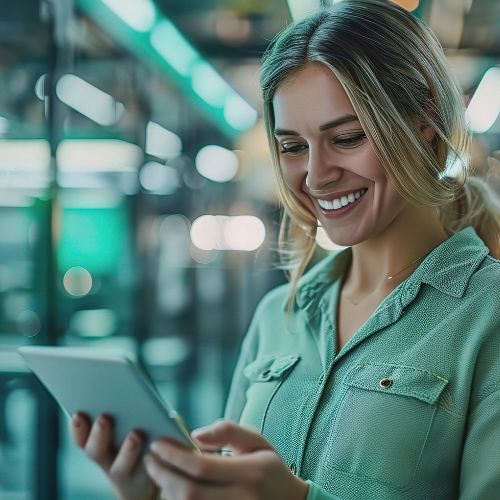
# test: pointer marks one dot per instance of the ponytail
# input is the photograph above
(475, 204)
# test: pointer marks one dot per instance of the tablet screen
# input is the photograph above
(94, 383)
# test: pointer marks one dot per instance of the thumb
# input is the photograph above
(224, 433)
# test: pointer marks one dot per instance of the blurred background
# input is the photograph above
(138, 210)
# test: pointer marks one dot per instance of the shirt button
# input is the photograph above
(293, 468)
(385, 383)
(265, 373)
(321, 378)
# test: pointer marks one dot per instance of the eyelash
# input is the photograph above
(349, 142)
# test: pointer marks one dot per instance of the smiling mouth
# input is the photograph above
(343, 201)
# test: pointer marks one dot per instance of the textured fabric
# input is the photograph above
(409, 408)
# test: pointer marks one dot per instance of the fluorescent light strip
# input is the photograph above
(140, 15)
(162, 143)
(89, 100)
(203, 79)
(98, 155)
(163, 45)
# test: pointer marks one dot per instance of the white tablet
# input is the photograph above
(95, 384)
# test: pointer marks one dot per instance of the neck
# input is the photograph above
(413, 234)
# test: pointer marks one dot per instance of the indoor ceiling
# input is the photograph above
(231, 34)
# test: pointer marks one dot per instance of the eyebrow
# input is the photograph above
(334, 123)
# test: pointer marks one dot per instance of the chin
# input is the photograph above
(345, 242)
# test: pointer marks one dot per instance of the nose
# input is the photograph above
(322, 170)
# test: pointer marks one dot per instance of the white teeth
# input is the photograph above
(342, 201)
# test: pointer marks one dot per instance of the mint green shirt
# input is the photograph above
(409, 408)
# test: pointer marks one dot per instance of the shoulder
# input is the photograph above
(485, 281)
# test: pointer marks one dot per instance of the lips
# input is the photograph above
(338, 201)
(343, 211)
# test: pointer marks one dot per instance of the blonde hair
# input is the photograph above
(394, 71)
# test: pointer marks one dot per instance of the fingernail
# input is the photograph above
(77, 420)
(133, 439)
(154, 446)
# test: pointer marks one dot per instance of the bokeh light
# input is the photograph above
(77, 281)
(216, 163)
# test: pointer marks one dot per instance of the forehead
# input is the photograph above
(310, 97)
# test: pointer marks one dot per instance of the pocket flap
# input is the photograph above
(267, 368)
(397, 379)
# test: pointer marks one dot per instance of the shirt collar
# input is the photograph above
(448, 268)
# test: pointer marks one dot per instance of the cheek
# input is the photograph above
(293, 176)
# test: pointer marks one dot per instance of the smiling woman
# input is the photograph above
(367, 93)
(376, 373)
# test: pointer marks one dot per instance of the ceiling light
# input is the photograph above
(89, 100)
(162, 143)
(24, 154)
(216, 163)
(98, 155)
(158, 178)
(138, 14)
(221, 232)
(173, 47)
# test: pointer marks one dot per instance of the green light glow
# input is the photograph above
(93, 238)
(173, 47)
(166, 49)
(209, 85)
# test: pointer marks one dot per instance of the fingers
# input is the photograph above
(224, 433)
(196, 466)
(128, 456)
(208, 468)
(80, 429)
(99, 445)
(178, 486)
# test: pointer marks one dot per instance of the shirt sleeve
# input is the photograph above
(480, 466)
(316, 492)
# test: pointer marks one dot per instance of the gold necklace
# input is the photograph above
(385, 281)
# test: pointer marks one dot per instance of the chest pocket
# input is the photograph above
(383, 421)
(266, 374)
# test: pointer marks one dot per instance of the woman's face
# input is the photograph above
(328, 162)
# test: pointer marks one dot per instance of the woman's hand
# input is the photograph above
(123, 467)
(254, 471)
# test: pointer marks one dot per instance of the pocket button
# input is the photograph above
(293, 468)
(385, 383)
(265, 373)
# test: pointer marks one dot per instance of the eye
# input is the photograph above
(292, 149)
(351, 141)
